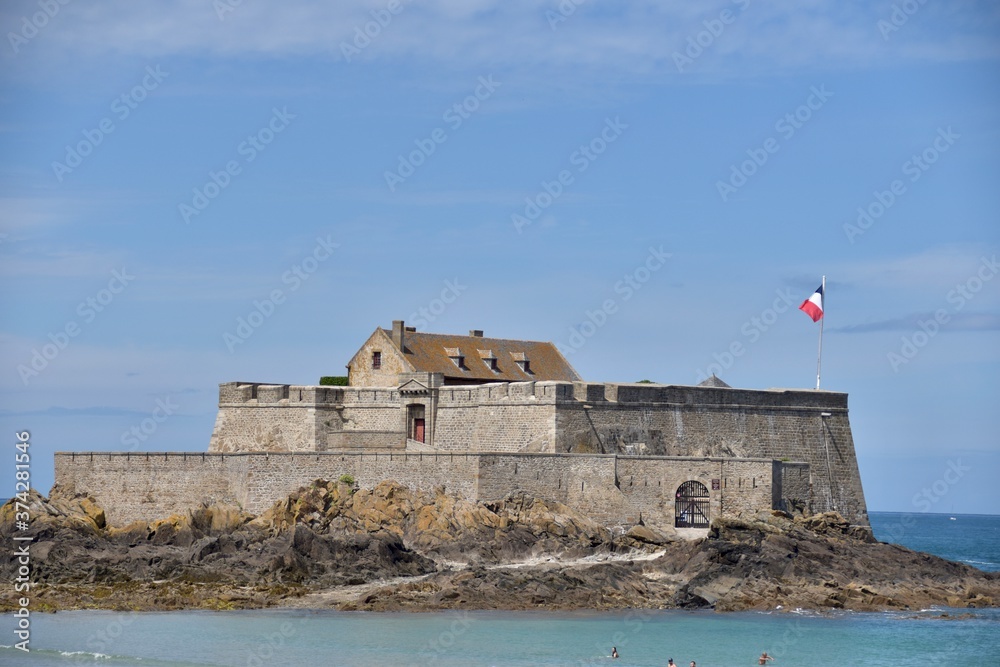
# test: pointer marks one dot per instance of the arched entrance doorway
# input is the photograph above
(691, 506)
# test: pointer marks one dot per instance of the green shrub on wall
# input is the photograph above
(333, 381)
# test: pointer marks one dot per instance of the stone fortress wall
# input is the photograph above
(618, 452)
(805, 426)
(614, 490)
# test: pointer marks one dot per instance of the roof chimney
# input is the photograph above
(398, 334)
(476, 333)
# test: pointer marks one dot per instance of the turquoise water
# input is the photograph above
(452, 639)
(967, 538)
(512, 639)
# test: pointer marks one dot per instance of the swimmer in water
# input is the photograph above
(614, 652)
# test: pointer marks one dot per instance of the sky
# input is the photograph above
(196, 192)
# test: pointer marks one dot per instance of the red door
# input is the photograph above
(418, 430)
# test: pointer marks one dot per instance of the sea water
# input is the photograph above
(307, 638)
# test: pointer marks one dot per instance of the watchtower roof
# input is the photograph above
(713, 382)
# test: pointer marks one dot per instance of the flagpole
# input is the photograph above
(819, 354)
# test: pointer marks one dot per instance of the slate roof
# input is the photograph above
(433, 353)
(713, 382)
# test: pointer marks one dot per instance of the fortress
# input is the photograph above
(483, 417)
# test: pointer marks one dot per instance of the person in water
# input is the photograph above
(670, 662)
(614, 652)
(764, 657)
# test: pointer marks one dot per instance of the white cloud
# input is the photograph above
(631, 37)
(23, 213)
(932, 269)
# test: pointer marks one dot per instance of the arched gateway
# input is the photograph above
(691, 507)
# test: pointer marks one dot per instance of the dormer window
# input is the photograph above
(490, 360)
(376, 360)
(456, 356)
(522, 362)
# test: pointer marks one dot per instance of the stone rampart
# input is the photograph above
(617, 491)
(558, 417)
(782, 425)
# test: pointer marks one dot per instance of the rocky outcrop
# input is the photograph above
(391, 548)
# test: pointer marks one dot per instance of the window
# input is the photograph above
(376, 360)
(490, 360)
(491, 363)
(456, 356)
(522, 362)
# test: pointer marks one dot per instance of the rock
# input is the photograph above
(443, 552)
(646, 535)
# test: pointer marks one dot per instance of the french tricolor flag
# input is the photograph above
(813, 306)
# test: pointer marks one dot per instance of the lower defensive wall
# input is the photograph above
(617, 491)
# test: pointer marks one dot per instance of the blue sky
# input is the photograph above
(649, 185)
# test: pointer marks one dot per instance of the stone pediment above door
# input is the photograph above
(413, 388)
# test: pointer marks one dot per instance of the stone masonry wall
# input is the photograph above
(362, 374)
(134, 487)
(149, 486)
(792, 487)
(697, 421)
(559, 417)
(262, 417)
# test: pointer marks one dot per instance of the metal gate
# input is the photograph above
(691, 507)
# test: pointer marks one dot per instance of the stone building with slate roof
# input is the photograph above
(460, 360)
